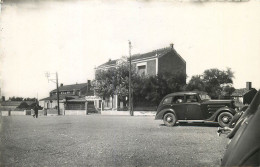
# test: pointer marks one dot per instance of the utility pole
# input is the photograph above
(130, 84)
(47, 74)
(58, 96)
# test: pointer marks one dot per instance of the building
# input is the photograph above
(12, 105)
(152, 63)
(244, 95)
(71, 97)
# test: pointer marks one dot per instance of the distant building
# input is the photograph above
(71, 97)
(152, 63)
(11, 105)
(244, 95)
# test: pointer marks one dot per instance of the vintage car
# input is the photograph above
(244, 146)
(194, 106)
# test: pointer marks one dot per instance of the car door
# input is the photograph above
(179, 106)
(193, 108)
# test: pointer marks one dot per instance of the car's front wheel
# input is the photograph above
(169, 119)
(224, 119)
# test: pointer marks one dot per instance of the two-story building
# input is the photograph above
(151, 63)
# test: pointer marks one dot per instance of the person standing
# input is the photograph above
(36, 110)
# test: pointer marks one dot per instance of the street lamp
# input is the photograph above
(47, 74)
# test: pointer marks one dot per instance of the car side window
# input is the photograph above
(178, 99)
(167, 100)
(191, 98)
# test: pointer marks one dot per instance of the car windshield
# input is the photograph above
(204, 97)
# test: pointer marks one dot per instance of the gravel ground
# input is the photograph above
(97, 140)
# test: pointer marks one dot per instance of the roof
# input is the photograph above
(239, 92)
(11, 103)
(61, 97)
(159, 52)
(71, 87)
(154, 53)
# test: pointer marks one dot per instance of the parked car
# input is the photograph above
(194, 106)
(244, 146)
(233, 122)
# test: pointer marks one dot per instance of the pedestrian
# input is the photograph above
(36, 110)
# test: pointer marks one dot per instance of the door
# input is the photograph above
(179, 106)
(193, 108)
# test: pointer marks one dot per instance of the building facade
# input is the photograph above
(151, 63)
(71, 98)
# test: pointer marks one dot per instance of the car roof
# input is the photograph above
(186, 92)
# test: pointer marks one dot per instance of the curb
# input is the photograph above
(136, 113)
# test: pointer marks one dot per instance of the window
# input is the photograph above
(168, 100)
(204, 97)
(141, 70)
(191, 98)
(178, 99)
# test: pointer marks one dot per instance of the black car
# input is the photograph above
(194, 106)
(244, 147)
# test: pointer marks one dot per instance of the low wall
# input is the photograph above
(25, 112)
(18, 113)
(51, 112)
(11, 113)
(115, 112)
(5, 113)
(150, 108)
(75, 112)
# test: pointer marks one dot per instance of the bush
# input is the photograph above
(23, 105)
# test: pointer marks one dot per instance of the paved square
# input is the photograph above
(97, 140)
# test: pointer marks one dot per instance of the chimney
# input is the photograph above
(61, 85)
(248, 85)
(171, 45)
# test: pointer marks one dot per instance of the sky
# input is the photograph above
(73, 37)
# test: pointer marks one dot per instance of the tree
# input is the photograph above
(23, 105)
(152, 89)
(16, 98)
(214, 81)
(196, 83)
(114, 81)
(30, 99)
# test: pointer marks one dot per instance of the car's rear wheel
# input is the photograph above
(224, 119)
(169, 119)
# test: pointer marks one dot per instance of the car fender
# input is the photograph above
(214, 117)
(161, 113)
